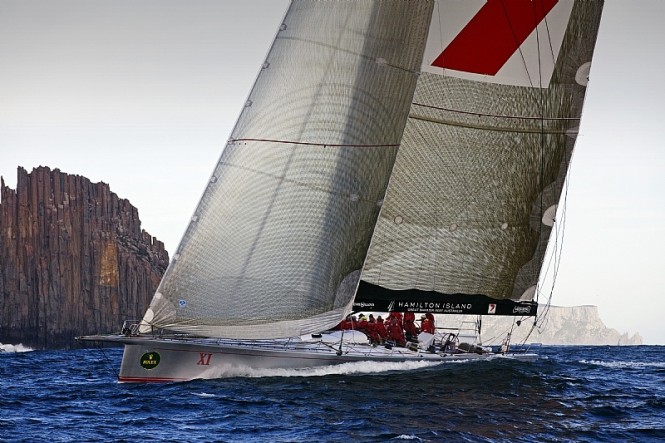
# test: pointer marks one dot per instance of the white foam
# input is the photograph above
(204, 394)
(625, 364)
(341, 369)
(408, 437)
(14, 348)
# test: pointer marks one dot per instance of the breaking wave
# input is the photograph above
(14, 348)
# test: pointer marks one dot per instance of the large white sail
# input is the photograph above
(485, 152)
(464, 111)
(279, 237)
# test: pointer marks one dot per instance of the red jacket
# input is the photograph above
(427, 326)
(381, 328)
(395, 332)
(397, 315)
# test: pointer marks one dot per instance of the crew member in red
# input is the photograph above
(348, 323)
(410, 325)
(430, 317)
(362, 323)
(370, 329)
(397, 315)
(426, 325)
(396, 333)
(381, 329)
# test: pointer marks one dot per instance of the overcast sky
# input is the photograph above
(142, 94)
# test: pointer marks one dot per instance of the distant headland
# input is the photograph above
(576, 325)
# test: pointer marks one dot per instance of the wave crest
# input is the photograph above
(624, 364)
(14, 348)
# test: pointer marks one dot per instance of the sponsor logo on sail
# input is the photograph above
(522, 310)
(436, 307)
(150, 360)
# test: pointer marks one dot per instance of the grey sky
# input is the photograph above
(142, 94)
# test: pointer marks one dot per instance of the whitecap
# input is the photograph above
(407, 437)
(624, 364)
(14, 348)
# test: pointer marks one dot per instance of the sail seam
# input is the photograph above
(323, 145)
(516, 117)
(482, 127)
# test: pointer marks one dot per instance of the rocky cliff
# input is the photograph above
(73, 259)
(576, 325)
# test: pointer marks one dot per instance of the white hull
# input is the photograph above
(148, 359)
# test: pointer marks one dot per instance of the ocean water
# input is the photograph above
(571, 394)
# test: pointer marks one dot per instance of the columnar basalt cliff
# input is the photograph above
(73, 259)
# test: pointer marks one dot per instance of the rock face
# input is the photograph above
(577, 325)
(73, 260)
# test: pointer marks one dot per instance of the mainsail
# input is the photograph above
(483, 159)
(279, 237)
(371, 121)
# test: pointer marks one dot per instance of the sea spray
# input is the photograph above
(14, 348)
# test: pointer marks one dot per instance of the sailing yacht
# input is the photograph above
(391, 156)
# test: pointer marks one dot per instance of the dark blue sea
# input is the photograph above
(572, 394)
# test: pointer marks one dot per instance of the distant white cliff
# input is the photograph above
(577, 325)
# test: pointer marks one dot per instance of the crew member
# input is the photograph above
(426, 325)
(410, 325)
(396, 333)
(381, 329)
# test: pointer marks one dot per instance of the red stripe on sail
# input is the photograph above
(493, 35)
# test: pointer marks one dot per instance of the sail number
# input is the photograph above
(204, 359)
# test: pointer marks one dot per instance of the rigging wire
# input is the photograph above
(542, 105)
(519, 48)
(108, 365)
(542, 170)
(542, 137)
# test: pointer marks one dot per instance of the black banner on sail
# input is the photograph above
(371, 297)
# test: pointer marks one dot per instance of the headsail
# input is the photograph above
(468, 213)
(279, 237)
